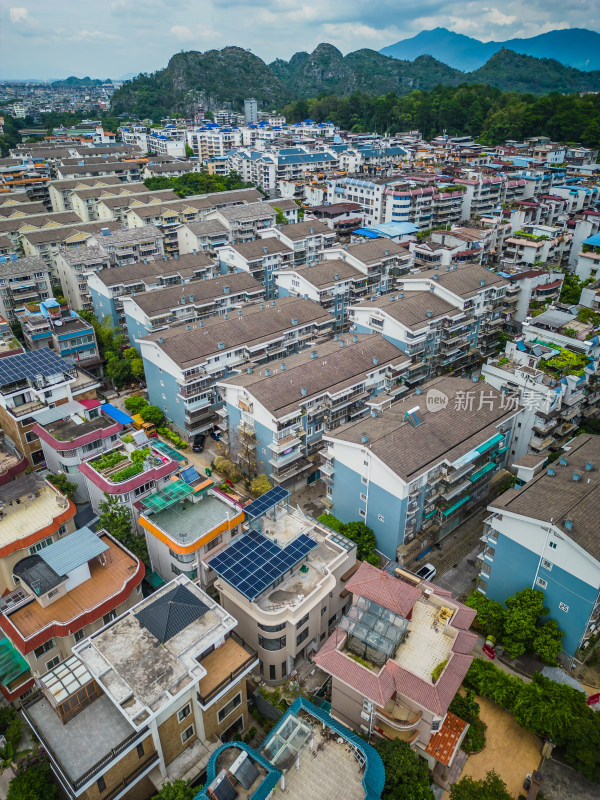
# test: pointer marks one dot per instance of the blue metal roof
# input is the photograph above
(72, 551)
(593, 240)
(115, 413)
(267, 785)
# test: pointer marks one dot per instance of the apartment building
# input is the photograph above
(117, 204)
(532, 285)
(308, 240)
(49, 243)
(202, 236)
(14, 227)
(333, 283)
(275, 417)
(63, 331)
(189, 302)
(72, 431)
(65, 590)
(244, 222)
(392, 694)
(60, 191)
(261, 258)
(108, 287)
(125, 171)
(370, 193)
(380, 260)
(186, 521)
(426, 206)
(542, 536)
(285, 581)
(537, 244)
(131, 245)
(148, 726)
(73, 268)
(413, 472)
(30, 381)
(128, 471)
(26, 280)
(182, 365)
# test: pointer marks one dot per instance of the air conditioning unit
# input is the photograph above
(364, 729)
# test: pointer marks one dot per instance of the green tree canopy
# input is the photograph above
(492, 787)
(522, 612)
(116, 519)
(260, 485)
(67, 487)
(152, 414)
(406, 775)
(34, 780)
(178, 790)
(135, 403)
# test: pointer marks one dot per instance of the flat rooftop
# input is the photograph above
(85, 739)
(66, 429)
(187, 522)
(108, 576)
(427, 641)
(142, 674)
(29, 510)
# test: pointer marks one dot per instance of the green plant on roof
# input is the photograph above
(567, 363)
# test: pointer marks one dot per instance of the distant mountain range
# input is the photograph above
(573, 47)
(223, 78)
(80, 82)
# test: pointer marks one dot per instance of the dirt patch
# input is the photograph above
(509, 749)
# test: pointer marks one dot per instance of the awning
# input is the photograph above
(481, 472)
(115, 413)
(483, 447)
(154, 580)
(89, 404)
(167, 450)
(461, 502)
(12, 663)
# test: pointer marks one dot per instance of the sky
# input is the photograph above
(50, 39)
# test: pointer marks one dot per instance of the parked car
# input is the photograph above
(216, 435)
(427, 572)
(198, 443)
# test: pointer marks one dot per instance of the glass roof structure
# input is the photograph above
(171, 494)
(374, 625)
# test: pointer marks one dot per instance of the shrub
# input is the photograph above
(227, 468)
(67, 487)
(260, 485)
(108, 460)
(135, 404)
(152, 414)
(438, 669)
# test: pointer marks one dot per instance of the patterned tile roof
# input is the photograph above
(444, 743)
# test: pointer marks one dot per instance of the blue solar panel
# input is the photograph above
(265, 502)
(252, 563)
(32, 364)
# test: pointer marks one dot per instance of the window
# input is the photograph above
(272, 628)
(101, 784)
(553, 545)
(145, 487)
(563, 607)
(542, 583)
(54, 662)
(44, 648)
(62, 530)
(283, 669)
(547, 564)
(184, 712)
(272, 673)
(183, 558)
(87, 448)
(40, 545)
(31, 436)
(214, 542)
(271, 644)
(302, 622)
(302, 636)
(363, 497)
(187, 734)
(364, 480)
(79, 635)
(109, 617)
(140, 749)
(362, 512)
(323, 610)
(232, 704)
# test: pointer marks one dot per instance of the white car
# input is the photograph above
(427, 572)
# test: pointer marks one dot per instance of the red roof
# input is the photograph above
(444, 743)
(89, 404)
(381, 587)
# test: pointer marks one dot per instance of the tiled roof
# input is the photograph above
(443, 744)
(369, 581)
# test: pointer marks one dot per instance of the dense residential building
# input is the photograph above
(186, 521)
(308, 240)
(413, 472)
(202, 236)
(107, 288)
(131, 245)
(55, 326)
(244, 222)
(275, 417)
(147, 698)
(30, 382)
(380, 260)
(383, 676)
(127, 471)
(543, 536)
(68, 434)
(287, 586)
(262, 258)
(66, 590)
(188, 302)
(24, 281)
(73, 268)
(182, 365)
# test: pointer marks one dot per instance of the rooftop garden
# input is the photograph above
(565, 363)
(108, 461)
(531, 236)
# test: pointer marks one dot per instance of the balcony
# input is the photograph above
(224, 665)
(387, 731)
(398, 717)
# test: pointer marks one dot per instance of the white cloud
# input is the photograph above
(498, 18)
(18, 15)
(192, 34)
(80, 36)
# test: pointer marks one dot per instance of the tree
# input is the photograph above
(34, 779)
(492, 787)
(68, 488)
(406, 775)
(116, 519)
(547, 642)
(260, 485)
(118, 371)
(366, 543)
(189, 151)
(280, 217)
(520, 618)
(178, 790)
(152, 414)
(135, 403)
(490, 614)
(227, 468)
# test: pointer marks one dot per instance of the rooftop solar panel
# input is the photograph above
(32, 364)
(252, 563)
(265, 502)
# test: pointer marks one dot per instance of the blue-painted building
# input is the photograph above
(545, 536)
(421, 466)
